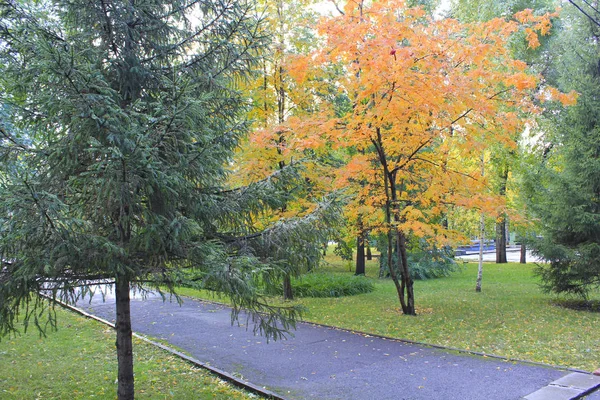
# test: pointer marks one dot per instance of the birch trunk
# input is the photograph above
(481, 238)
(481, 244)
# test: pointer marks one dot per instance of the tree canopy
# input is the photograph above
(563, 185)
(119, 122)
(128, 155)
(428, 97)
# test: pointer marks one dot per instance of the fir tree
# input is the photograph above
(119, 119)
(565, 188)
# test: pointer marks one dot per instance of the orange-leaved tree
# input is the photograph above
(428, 98)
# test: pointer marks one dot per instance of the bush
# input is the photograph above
(432, 262)
(329, 285)
(343, 250)
(424, 261)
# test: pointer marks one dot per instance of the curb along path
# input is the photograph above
(324, 363)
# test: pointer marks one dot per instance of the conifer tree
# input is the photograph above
(565, 187)
(118, 124)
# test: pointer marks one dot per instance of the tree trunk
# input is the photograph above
(360, 255)
(288, 293)
(501, 223)
(523, 259)
(501, 240)
(124, 344)
(407, 281)
(481, 236)
(404, 287)
(392, 269)
(481, 244)
(369, 254)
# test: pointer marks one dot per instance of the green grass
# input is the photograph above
(79, 362)
(511, 317)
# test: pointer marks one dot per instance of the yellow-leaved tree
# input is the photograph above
(428, 98)
(273, 150)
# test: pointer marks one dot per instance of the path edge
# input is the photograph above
(222, 374)
(414, 342)
(453, 349)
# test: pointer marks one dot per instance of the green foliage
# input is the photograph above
(119, 123)
(564, 187)
(319, 284)
(427, 261)
(432, 262)
(343, 250)
(483, 10)
(427, 5)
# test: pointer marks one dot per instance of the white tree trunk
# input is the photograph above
(481, 236)
(481, 244)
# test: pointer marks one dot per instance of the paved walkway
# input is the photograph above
(323, 363)
(512, 255)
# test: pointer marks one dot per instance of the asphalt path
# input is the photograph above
(512, 255)
(325, 363)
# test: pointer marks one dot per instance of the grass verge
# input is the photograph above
(79, 362)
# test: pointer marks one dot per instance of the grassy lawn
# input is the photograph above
(511, 317)
(79, 362)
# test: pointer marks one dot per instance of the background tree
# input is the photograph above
(503, 162)
(119, 121)
(273, 145)
(564, 188)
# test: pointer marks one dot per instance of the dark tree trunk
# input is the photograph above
(523, 259)
(125, 389)
(392, 269)
(288, 293)
(501, 240)
(404, 285)
(369, 254)
(501, 224)
(407, 281)
(360, 255)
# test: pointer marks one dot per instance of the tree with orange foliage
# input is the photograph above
(428, 98)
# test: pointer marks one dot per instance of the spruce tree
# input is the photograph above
(118, 123)
(565, 188)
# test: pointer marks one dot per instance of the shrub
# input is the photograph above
(424, 260)
(432, 263)
(318, 284)
(343, 250)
